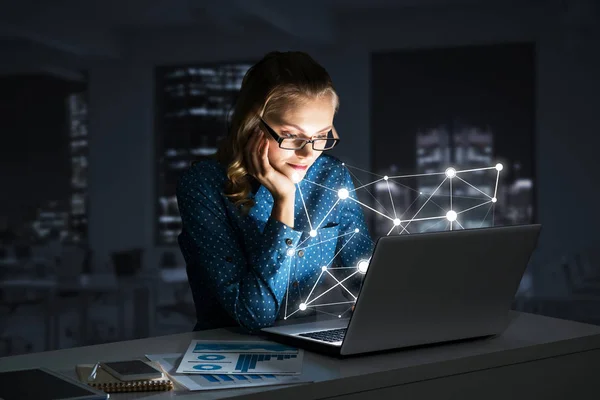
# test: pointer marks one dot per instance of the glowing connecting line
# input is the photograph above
(450, 176)
(450, 215)
(342, 195)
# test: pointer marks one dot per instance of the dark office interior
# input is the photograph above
(104, 103)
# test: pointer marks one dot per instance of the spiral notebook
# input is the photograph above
(110, 384)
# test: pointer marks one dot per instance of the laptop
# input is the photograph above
(425, 288)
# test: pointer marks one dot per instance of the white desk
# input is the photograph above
(536, 358)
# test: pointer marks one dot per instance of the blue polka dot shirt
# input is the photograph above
(251, 270)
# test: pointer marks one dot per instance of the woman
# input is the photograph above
(263, 218)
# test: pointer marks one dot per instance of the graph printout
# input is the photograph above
(169, 363)
(240, 357)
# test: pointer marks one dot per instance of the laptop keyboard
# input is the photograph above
(330, 335)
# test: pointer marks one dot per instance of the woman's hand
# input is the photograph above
(258, 165)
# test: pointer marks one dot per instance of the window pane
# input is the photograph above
(464, 107)
(192, 107)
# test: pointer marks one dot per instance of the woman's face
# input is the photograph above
(308, 119)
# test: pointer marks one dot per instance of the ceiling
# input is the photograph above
(77, 29)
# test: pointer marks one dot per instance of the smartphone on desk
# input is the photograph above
(131, 370)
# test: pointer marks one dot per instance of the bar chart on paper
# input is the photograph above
(248, 362)
(221, 381)
(203, 357)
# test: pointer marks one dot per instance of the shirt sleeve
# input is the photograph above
(356, 246)
(250, 286)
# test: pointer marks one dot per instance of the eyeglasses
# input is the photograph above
(294, 143)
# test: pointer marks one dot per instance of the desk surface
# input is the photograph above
(529, 337)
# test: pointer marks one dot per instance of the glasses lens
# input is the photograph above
(292, 144)
(324, 144)
(319, 144)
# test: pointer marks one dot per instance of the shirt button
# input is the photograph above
(229, 259)
(289, 242)
(295, 283)
(300, 253)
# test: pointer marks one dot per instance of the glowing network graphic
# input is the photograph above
(451, 216)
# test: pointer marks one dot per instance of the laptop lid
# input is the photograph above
(441, 286)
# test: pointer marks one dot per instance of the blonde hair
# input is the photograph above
(278, 81)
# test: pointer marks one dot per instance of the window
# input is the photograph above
(193, 103)
(78, 139)
(467, 108)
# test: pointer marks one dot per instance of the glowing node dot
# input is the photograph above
(295, 177)
(356, 230)
(302, 306)
(450, 173)
(386, 178)
(363, 266)
(494, 199)
(397, 221)
(339, 316)
(290, 252)
(324, 268)
(343, 194)
(420, 192)
(451, 215)
(499, 167)
(343, 163)
(313, 233)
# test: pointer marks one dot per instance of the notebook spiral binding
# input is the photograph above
(136, 386)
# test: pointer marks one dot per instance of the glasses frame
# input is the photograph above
(280, 139)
